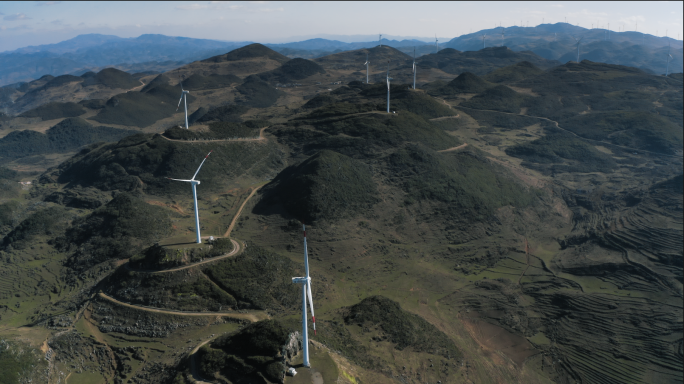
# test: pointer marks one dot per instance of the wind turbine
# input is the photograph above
(367, 63)
(502, 37)
(183, 98)
(388, 87)
(414, 68)
(578, 45)
(483, 41)
(669, 57)
(436, 44)
(380, 40)
(306, 291)
(194, 184)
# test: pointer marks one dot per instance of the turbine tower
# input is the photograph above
(668, 58)
(414, 68)
(380, 40)
(306, 291)
(194, 184)
(436, 44)
(367, 63)
(483, 41)
(388, 87)
(578, 45)
(183, 98)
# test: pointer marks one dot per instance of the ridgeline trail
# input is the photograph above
(260, 138)
(250, 316)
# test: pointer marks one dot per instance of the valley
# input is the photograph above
(513, 219)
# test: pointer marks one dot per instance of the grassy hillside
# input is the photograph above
(466, 82)
(111, 78)
(327, 186)
(144, 161)
(157, 100)
(258, 93)
(500, 98)
(199, 82)
(114, 231)
(512, 73)
(69, 135)
(55, 110)
(293, 70)
(251, 51)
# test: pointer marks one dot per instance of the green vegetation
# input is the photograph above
(466, 82)
(50, 222)
(87, 198)
(226, 113)
(158, 257)
(9, 215)
(55, 110)
(59, 81)
(319, 101)
(292, 70)
(466, 181)
(199, 82)
(258, 93)
(249, 355)
(337, 109)
(557, 146)
(258, 279)
(68, 135)
(327, 186)
(512, 73)
(143, 162)
(19, 363)
(387, 130)
(157, 100)
(502, 120)
(640, 130)
(116, 230)
(403, 329)
(112, 78)
(499, 98)
(248, 52)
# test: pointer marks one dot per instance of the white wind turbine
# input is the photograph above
(388, 87)
(578, 45)
(414, 68)
(182, 98)
(306, 291)
(483, 41)
(669, 57)
(367, 63)
(194, 184)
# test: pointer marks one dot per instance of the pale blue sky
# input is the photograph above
(44, 22)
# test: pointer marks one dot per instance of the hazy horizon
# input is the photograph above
(47, 22)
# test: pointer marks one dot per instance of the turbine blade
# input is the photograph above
(180, 179)
(308, 292)
(179, 102)
(205, 159)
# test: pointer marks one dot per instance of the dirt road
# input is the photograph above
(250, 316)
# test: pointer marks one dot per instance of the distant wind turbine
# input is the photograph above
(436, 44)
(388, 87)
(414, 68)
(483, 41)
(194, 184)
(182, 98)
(578, 45)
(306, 292)
(367, 63)
(668, 58)
(380, 39)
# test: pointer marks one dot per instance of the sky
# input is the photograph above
(24, 23)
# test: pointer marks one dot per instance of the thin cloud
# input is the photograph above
(16, 16)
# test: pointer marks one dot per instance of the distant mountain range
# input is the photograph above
(159, 53)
